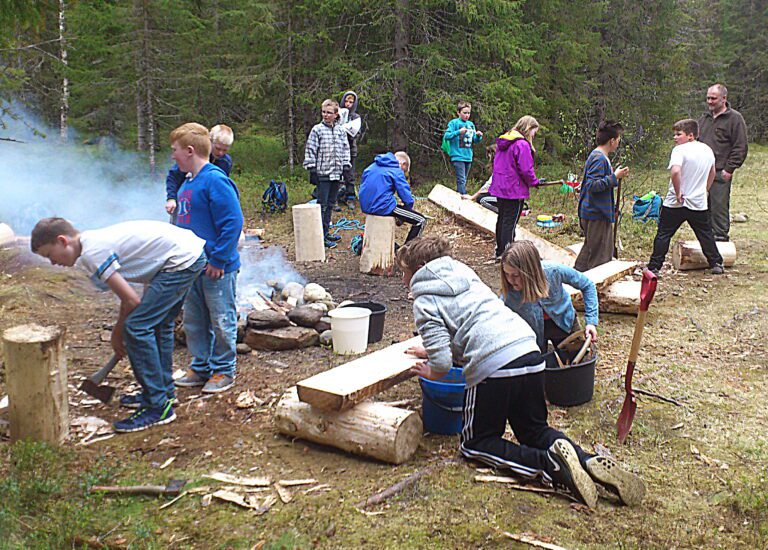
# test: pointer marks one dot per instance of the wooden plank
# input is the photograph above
(343, 387)
(485, 220)
(606, 274)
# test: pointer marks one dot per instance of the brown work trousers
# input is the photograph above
(598, 244)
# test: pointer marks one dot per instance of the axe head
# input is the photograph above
(102, 393)
(174, 487)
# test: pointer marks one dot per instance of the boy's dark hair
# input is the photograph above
(608, 130)
(461, 104)
(420, 251)
(47, 229)
(687, 126)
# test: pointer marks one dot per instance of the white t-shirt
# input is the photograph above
(138, 250)
(696, 160)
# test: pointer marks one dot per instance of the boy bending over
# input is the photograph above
(461, 320)
(166, 259)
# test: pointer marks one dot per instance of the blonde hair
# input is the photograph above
(420, 251)
(461, 104)
(331, 103)
(524, 256)
(223, 134)
(525, 124)
(402, 156)
(193, 134)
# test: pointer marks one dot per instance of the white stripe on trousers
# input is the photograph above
(409, 214)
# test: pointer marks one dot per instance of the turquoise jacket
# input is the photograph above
(461, 146)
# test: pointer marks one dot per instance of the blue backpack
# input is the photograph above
(647, 207)
(275, 198)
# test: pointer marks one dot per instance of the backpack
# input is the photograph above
(445, 147)
(275, 198)
(647, 207)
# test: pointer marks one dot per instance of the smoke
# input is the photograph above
(92, 185)
(260, 265)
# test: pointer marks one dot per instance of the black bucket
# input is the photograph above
(376, 321)
(571, 385)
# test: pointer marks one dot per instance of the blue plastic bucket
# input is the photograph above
(443, 403)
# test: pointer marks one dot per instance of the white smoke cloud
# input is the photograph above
(260, 265)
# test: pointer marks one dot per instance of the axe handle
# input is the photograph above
(99, 376)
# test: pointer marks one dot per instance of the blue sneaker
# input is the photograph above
(328, 244)
(146, 417)
(334, 238)
(131, 400)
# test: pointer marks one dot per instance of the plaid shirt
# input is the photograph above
(327, 151)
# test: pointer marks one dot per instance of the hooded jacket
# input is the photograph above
(513, 174)
(461, 320)
(378, 184)
(351, 122)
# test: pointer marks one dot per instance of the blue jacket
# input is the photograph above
(596, 201)
(378, 184)
(209, 205)
(461, 147)
(557, 305)
(176, 177)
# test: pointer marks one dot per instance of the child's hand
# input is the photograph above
(621, 172)
(463, 130)
(417, 351)
(591, 330)
(466, 197)
(425, 371)
(680, 198)
(118, 346)
(170, 206)
(479, 133)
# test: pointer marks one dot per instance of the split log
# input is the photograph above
(308, 233)
(688, 255)
(378, 256)
(7, 237)
(606, 274)
(370, 429)
(36, 374)
(343, 387)
(485, 220)
(620, 297)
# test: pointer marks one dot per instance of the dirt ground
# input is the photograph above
(702, 452)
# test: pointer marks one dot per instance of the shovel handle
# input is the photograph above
(570, 338)
(582, 351)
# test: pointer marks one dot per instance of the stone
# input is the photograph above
(313, 292)
(267, 318)
(242, 324)
(293, 290)
(243, 349)
(740, 218)
(278, 339)
(305, 316)
(323, 324)
(320, 306)
(326, 338)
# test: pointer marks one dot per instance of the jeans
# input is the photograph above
(719, 206)
(327, 190)
(148, 332)
(462, 173)
(210, 322)
(670, 221)
(509, 213)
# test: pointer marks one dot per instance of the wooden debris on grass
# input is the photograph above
(709, 461)
(167, 463)
(248, 400)
(530, 540)
(514, 483)
(174, 501)
(285, 495)
(245, 501)
(295, 482)
(322, 487)
(412, 479)
(237, 480)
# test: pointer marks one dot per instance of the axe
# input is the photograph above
(173, 489)
(92, 387)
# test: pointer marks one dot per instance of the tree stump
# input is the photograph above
(378, 257)
(36, 374)
(7, 237)
(688, 255)
(369, 429)
(308, 233)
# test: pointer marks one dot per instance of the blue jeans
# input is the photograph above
(462, 173)
(210, 323)
(148, 332)
(327, 190)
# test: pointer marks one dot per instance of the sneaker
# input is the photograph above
(190, 380)
(626, 485)
(334, 238)
(130, 400)
(717, 269)
(568, 475)
(146, 417)
(218, 383)
(336, 208)
(329, 244)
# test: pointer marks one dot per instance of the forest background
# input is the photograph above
(132, 70)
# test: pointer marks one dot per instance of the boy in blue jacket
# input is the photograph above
(380, 181)
(462, 134)
(597, 206)
(209, 205)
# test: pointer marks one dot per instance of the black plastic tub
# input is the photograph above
(376, 321)
(571, 385)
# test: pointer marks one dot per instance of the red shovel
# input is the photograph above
(627, 415)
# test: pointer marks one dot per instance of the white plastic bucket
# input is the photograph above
(349, 329)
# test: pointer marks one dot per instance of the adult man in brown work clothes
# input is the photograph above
(724, 130)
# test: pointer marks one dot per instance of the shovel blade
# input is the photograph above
(626, 416)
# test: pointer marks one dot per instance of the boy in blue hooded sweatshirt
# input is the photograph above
(209, 205)
(461, 320)
(378, 185)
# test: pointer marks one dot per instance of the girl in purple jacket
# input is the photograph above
(513, 176)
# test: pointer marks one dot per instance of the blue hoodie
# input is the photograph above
(380, 181)
(209, 205)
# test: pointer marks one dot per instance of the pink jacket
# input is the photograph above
(513, 174)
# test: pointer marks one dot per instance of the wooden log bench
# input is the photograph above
(688, 255)
(378, 255)
(308, 233)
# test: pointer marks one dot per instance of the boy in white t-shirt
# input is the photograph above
(167, 259)
(692, 171)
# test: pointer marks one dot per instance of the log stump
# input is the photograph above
(378, 257)
(36, 374)
(688, 255)
(370, 429)
(7, 236)
(308, 233)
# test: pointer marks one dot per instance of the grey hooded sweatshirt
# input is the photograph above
(461, 320)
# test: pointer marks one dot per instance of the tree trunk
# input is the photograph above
(400, 103)
(64, 105)
(291, 141)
